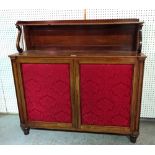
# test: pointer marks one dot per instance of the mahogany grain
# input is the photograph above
(78, 42)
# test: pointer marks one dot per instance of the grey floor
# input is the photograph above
(10, 133)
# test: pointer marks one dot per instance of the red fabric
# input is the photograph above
(106, 94)
(47, 92)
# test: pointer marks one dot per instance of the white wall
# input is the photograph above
(8, 34)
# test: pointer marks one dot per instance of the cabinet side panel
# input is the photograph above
(106, 92)
(47, 92)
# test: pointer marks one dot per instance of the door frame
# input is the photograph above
(17, 72)
(133, 116)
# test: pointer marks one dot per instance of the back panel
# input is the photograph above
(107, 37)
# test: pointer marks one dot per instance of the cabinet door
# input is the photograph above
(105, 95)
(47, 92)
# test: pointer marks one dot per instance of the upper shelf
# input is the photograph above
(80, 22)
(108, 34)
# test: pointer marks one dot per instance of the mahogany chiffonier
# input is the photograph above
(79, 75)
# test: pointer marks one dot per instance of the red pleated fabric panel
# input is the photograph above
(47, 92)
(106, 94)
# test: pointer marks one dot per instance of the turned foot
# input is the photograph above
(133, 138)
(26, 131)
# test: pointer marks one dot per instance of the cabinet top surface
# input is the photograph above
(76, 53)
(80, 22)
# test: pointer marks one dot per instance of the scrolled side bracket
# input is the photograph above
(140, 39)
(19, 49)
